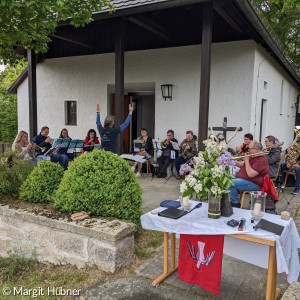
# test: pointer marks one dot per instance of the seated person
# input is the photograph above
(274, 155)
(164, 160)
(248, 137)
(42, 140)
(90, 140)
(144, 151)
(187, 150)
(109, 133)
(296, 169)
(67, 151)
(24, 149)
(251, 174)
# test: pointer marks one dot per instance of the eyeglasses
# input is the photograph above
(169, 134)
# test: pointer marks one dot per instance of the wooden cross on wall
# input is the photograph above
(224, 129)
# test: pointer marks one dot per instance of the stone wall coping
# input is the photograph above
(102, 229)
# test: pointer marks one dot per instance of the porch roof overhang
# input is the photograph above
(153, 24)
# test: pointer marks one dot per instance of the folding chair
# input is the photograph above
(273, 179)
(288, 173)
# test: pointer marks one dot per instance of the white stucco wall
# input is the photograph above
(88, 80)
(278, 123)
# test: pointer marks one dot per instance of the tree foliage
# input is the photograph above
(284, 18)
(28, 23)
(8, 103)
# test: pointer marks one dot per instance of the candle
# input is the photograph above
(257, 209)
(185, 201)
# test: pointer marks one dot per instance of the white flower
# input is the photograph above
(183, 187)
(191, 180)
(218, 171)
(198, 187)
(215, 189)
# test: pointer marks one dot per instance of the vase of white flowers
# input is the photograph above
(210, 178)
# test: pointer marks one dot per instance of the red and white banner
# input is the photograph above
(200, 260)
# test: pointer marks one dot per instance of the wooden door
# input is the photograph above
(126, 132)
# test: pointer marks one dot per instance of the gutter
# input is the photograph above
(275, 45)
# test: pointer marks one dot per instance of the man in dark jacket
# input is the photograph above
(109, 133)
(42, 140)
(167, 151)
(274, 156)
(187, 150)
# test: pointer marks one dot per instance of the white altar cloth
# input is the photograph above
(197, 222)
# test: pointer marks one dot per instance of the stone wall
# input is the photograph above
(107, 244)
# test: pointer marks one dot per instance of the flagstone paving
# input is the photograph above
(239, 280)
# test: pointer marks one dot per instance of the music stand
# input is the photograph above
(62, 143)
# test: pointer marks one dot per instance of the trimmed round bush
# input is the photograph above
(13, 173)
(102, 184)
(42, 182)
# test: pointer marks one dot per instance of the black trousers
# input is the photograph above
(163, 162)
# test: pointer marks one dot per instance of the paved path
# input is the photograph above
(239, 280)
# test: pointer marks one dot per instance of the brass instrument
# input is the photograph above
(164, 144)
(250, 155)
(39, 148)
(292, 158)
(184, 152)
(273, 146)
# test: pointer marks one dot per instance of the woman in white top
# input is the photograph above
(21, 145)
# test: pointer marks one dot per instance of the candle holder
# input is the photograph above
(258, 204)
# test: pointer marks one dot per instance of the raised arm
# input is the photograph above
(213, 133)
(125, 124)
(98, 122)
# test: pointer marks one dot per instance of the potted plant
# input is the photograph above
(210, 177)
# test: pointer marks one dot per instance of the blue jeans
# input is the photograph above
(62, 159)
(179, 161)
(283, 167)
(241, 185)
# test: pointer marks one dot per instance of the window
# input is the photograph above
(281, 99)
(71, 112)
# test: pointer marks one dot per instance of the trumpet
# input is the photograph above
(250, 155)
(39, 148)
(164, 144)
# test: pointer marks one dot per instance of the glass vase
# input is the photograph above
(258, 204)
(214, 207)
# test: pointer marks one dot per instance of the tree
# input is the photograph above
(28, 23)
(8, 103)
(284, 18)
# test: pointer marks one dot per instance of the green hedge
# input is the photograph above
(101, 184)
(42, 182)
(13, 173)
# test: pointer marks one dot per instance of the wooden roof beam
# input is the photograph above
(73, 41)
(150, 26)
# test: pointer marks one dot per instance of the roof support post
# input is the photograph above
(119, 81)
(32, 95)
(207, 22)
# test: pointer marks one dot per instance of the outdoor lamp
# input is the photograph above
(166, 90)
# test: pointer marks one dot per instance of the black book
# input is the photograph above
(172, 213)
(269, 226)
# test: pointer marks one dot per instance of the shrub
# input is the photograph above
(13, 173)
(101, 184)
(42, 182)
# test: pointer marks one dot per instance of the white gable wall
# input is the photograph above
(280, 123)
(87, 79)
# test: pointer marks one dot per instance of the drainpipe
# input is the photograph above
(297, 105)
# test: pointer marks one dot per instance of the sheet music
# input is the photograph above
(175, 145)
(137, 158)
(156, 144)
(53, 150)
(173, 154)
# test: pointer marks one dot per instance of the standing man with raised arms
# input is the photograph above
(109, 133)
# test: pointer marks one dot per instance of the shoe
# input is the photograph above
(132, 168)
(237, 205)
(177, 177)
(138, 174)
(282, 186)
(296, 191)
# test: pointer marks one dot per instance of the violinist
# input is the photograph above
(146, 149)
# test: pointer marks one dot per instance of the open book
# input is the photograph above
(53, 150)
